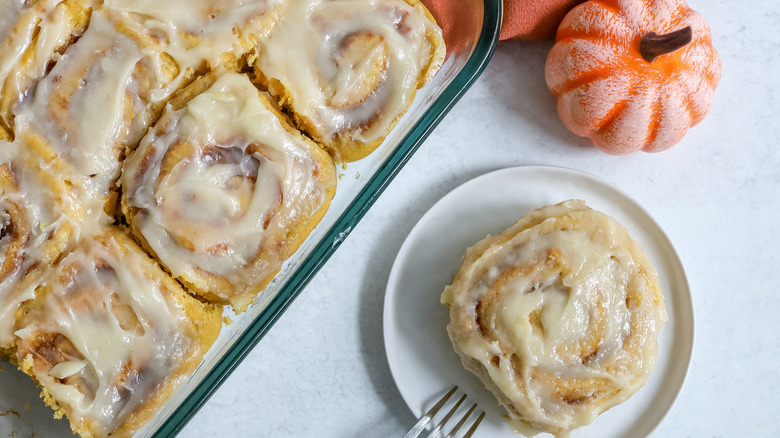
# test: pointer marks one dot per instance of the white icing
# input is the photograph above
(94, 103)
(31, 35)
(335, 90)
(201, 30)
(554, 301)
(129, 333)
(229, 201)
(17, 23)
(29, 204)
(97, 100)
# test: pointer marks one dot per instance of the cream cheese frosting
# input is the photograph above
(216, 184)
(106, 334)
(17, 24)
(39, 219)
(220, 188)
(97, 101)
(558, 315)
(363, 60)
(105, 90)
(33, 34)
(199, 31)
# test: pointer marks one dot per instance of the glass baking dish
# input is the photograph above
(471, 33)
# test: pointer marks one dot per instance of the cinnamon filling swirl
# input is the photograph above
(14, 235)
(222, 192)
(145, 96)
(364, 61)
(210, 32)
(97, 102)
(33, 35)
(558, 316)
(38, 221)
(213, 187)
(108, 335)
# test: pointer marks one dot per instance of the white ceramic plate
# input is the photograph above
(422, 360)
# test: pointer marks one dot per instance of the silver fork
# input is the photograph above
(417, 429)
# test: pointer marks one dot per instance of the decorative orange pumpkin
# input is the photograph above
(633, 74)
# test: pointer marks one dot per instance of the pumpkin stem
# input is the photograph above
(654, 45)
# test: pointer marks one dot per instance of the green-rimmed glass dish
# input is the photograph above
(471, 37)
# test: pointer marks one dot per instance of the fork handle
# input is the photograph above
(417, 429)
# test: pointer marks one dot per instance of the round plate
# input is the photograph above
(422, 360)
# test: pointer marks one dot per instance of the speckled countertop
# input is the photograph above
(322, 372)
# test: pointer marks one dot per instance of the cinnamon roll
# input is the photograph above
(558, 316)
(347, 70)
(108, 336)
(39, 220)
(98, 101)
(222, 190)
(194, 33)
(33, 34)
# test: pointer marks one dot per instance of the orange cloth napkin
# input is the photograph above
(523, 19)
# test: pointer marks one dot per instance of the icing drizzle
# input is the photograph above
(221, 186)
(105, 335)
(38, 220)
(558, 315)
(363, 59)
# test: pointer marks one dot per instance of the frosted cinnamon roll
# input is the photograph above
(347, 70)
(210, 32)
(558, 316)
(109, 336)
(98, 101)
(39, 220)
(222, 190)
(33, 34)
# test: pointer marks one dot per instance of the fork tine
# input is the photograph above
(420, 426)
(435, 432)
(474, 426)
(460, 423)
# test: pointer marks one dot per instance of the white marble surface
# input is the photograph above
(321, 371)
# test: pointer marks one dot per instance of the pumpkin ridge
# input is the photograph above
(695, 115)
(689, 89)
(586, 78)
(569, 34)
(569, 29)
(609, 118)
(679, 23)
(606, 4)
(710, 75)
(690, 63)
(655, 121)
(577, 35)
(714, 66)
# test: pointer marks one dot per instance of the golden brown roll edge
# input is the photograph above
(558, 316)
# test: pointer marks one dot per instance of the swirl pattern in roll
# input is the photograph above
(98, 101)
(347, 70)
(222, 190)
(33, 34)
(39, 219)
(558, 316)
(109, 336)
(198, 32)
